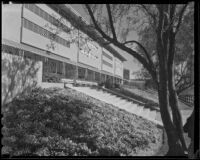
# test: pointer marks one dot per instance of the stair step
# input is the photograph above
(122, 103)
(140, 110)
(146, 112)
(133, 108)
(158, 116)
(152, 114)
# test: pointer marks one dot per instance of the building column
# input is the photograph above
(64, 69)
(86, 73)
(94, 76)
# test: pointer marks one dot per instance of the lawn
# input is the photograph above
(63, 122)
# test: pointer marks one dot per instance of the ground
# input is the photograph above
(65, 122)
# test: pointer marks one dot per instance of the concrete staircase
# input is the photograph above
(122, 103)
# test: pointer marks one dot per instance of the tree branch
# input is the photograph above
(150, 14)
(180, 18)
(123, 47)
(180, 79)
(96, 25)
(111, 21)
(145, 51)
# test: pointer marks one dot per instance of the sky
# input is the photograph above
(131, 63)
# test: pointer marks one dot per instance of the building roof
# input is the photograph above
(78, 22)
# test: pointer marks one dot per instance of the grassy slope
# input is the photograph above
(65, 122)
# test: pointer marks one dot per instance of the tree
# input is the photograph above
(183, 51)
(166, 20)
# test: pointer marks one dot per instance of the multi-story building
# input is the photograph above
(39, 33)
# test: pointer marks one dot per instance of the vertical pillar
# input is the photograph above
(86, 73)
(64, 69)
(94, 76)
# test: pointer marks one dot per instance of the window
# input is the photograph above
(52, 66)
(106, 63)
(42, 14)
(45, 16)
(25, 23)
(103, 77)
(70, 70)
(37, 10)
(90, 75)
(39, 30)
(81, 73)
(45, 65)
(97, 76)
(106, 55)
(31, 7)
(59, 67)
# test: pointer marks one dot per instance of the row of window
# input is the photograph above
(37, 10)
(20, 52)
(106, 63)
(56, 67)
(106, 55)
(39, 30)
(90, 75)
(81, 72)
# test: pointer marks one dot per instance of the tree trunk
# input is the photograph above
(173, 101)
(175, 148)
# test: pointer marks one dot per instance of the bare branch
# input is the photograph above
(107, 43)
(122, 46)
(143, 48)
(180, 17)
(150, 14)
(111, 21)
(96, 25)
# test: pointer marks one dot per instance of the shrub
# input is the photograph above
(30, 119)
(101, 84)
(46, 123)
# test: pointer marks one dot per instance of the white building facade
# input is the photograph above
(37, 32)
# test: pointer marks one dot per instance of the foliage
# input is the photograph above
(48, 77)
(184, 49)
(165, 20)
(62, 122)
